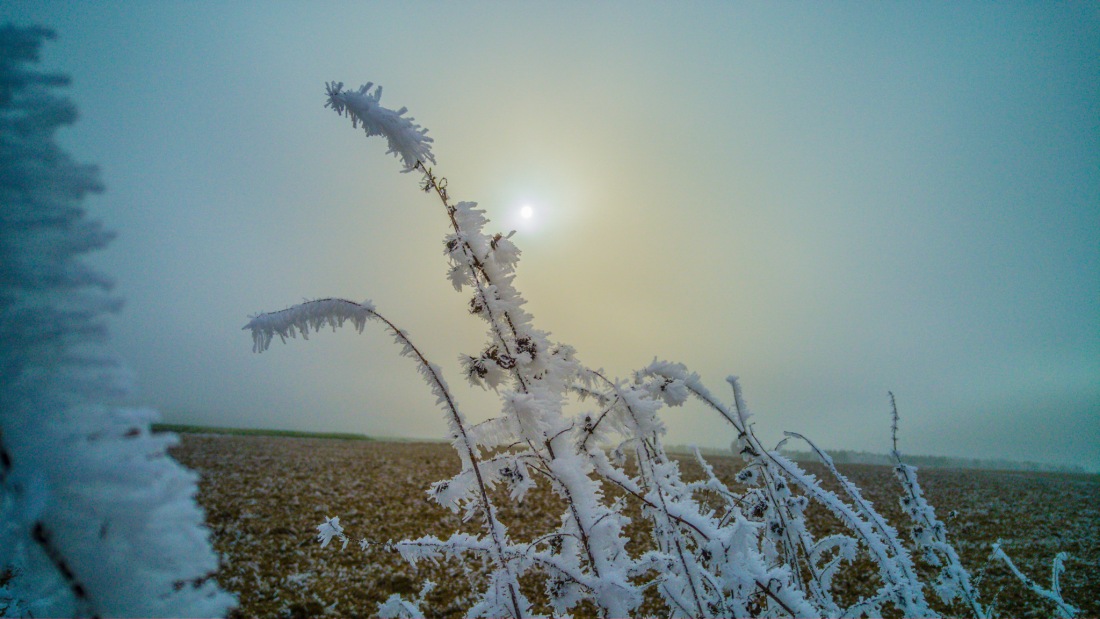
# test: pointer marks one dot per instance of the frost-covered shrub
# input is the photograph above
(716, 551)
(95, 518)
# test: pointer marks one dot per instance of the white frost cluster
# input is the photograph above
(407, 140)
(302, 318)
(329, 529)
(95, 518)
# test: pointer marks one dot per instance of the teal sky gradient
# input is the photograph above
(829, 200)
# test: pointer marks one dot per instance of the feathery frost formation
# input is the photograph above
(718, 550)
(301, 318)
(95, 518)
(407, 140)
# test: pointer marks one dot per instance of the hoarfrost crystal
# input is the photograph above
(95, 518)
(407, 140)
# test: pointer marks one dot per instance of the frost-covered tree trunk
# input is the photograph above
(95, 518)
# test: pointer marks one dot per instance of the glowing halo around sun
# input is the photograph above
(527, 217)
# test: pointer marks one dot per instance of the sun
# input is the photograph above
(524, 216)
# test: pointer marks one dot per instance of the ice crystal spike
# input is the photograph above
(407, 140)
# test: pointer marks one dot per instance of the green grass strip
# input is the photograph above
(182, 428)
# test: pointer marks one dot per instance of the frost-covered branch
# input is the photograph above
(314, 315)
(930, 534)
(306, 317)
(95, 518)
(740, 547)
(1053, 594)
(407, 140)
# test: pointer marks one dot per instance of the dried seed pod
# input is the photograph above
(476, 306)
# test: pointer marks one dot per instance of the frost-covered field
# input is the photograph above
(264, 497)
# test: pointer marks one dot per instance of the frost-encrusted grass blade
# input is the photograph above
(407, 140)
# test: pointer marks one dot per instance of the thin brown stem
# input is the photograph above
(486, 502)
(477, 268)
(767, 591)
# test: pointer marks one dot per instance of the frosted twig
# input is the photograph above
(407, 140)
(1053, 594)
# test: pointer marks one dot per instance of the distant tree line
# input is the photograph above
(846, 456)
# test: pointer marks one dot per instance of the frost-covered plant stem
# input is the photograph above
(929, 533)
(1053, 594)
(313, 315)
(718, 551)
(492, 285)
(893, 561)
(478, 274)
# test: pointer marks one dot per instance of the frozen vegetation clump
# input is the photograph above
(716, 550)
(95, 518)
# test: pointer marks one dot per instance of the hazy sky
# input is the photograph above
(830, 200)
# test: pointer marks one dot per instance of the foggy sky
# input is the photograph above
(828, 200)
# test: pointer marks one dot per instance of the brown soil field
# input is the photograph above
(265, 496)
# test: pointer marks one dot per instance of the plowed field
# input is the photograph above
(264, 497)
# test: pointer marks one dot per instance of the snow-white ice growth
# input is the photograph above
(329, 529)
(305, 317)
(95, 518)
(407, 140)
